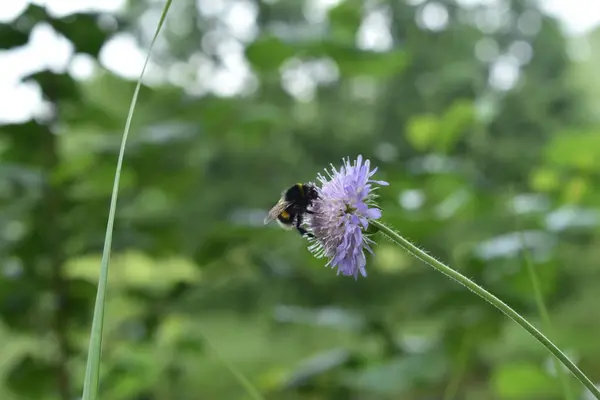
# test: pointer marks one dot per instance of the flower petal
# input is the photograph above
(374, 213)
(342, 214)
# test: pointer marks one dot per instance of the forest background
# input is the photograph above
(483, 116)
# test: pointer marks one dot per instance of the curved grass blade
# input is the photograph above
(242, 380)
(541, 305)
(92, 370)
(461, 366)
(543, 310)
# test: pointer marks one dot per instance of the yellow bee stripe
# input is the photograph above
(301, 188)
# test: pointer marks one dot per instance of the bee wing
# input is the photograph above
(276, 210)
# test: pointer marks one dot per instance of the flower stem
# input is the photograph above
(493, 300)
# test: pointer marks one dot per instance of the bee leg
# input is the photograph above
(304, 232)
(299, 227)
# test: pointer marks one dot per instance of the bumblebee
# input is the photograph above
(290, 209)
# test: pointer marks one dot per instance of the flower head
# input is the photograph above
(341, 216)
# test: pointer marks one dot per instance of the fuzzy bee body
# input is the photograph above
(291, 207)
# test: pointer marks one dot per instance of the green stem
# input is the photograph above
(493, 300)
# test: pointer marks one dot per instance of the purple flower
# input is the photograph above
(341, 216)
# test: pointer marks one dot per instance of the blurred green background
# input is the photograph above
(483, 116)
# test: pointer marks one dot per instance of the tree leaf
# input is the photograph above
(522, 380)
(32, 378)
(268, 52)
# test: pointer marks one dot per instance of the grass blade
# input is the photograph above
(242, 380)
(461, 366)
(541, 306)
(539, 299)
(92, 370)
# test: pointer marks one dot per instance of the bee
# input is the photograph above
(291, 207)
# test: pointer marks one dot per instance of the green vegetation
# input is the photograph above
(199, 291)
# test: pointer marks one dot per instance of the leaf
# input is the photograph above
(353, 61)
(345, 20)
(267, 53)
(55, 87)
(422, 131)
(17, 301)
(544, 179)
(80, 301)
(547, 273)
(454, 123)
(82, 30)
(401, 374)
(94, 38)
(25, 140)
(135, 270)
(576, 189)
(427, 131)
(523, 381)
(317, 366)
(11, 37)
(580, 150)
(32, 378)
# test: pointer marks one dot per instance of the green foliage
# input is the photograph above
(575, 150)
(268, 53)
(29, 370)
(523, 381)
(400, 375)
(192, 260)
